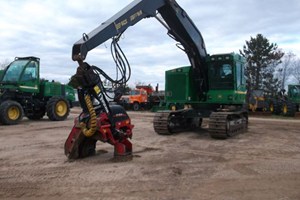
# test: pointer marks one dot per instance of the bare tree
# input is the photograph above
(139, 83)
(296, 70)
(4, 63)
(285, 68)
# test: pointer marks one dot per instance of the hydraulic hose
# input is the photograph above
(88, 132)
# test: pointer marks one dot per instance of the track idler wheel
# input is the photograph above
(161, 123)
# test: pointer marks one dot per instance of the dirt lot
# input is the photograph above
(263, 163)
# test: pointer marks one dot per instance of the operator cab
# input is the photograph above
(221, 76)
(294, 91)
(226, 78)
(226, 72)
(23, 72)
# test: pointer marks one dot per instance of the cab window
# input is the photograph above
(221, 76)
(14, 70)
(30, 72)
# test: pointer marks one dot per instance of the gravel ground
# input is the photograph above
(263, 163)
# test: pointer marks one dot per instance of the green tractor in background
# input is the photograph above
(22, 92)
(287, 104)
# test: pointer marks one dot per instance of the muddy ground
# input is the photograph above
(263, 163)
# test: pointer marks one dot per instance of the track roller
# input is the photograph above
(169, 122)
(227, 124)
(161, 123)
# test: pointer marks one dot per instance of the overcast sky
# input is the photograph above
(48, 29)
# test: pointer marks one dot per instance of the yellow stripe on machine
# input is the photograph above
(28, 87)
(240, 92)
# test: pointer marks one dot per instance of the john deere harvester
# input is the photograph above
(22, 92)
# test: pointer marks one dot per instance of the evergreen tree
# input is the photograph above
(262, 58)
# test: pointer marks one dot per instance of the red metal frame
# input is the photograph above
(122, 146)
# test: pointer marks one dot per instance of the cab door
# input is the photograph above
(29, 80)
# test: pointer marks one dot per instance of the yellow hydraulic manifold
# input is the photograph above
(88, 132)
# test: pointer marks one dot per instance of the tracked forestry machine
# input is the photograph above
(212, 86)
